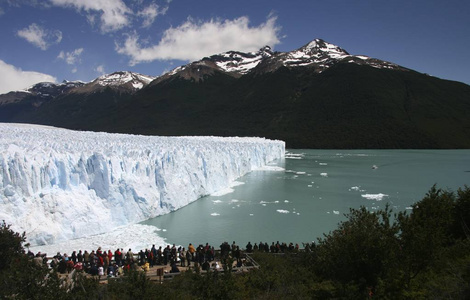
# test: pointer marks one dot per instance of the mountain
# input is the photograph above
(15, 105)
(317, 96)
(41, 92)
(123, 81)
(317, 56)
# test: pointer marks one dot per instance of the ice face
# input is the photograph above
(58, 184)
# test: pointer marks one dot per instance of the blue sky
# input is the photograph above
(53, 40)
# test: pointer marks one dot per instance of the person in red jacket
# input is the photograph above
(110, 256)
(117, 257)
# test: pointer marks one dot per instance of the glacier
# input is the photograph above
(58, 184)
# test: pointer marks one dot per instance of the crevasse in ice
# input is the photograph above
(58, 184)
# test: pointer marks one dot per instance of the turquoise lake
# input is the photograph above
(312, 193)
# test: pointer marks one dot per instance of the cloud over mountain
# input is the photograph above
(12, 78)
(193, 40)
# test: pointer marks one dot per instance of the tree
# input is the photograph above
(11, 245)
(361, 252)
(21, 278)
(425, 231)
(461, 228)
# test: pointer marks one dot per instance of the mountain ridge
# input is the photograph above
(317, 96)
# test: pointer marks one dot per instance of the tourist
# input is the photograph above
(174, 268)
(80, 256)
(249, 247)
(191, 250)
(182, 255)
(188, 257)
(129, 256)
(73, 257)
(118, 257)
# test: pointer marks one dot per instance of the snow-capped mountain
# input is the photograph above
(59, 184)
(42, 91)
(322, 55)
(122, 80)
(318, 55)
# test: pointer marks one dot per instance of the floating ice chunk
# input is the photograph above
(266, 202)
(282, 211)
(309, 185)
(377, 197)
(217, 201)
(336, 212)
(234, 200)
(286, 201)
(409, 208)
(323, 164)
(215, 214)
(356, 188)
(324, 174)
(251, 215)
(294, 155)
(301, 173)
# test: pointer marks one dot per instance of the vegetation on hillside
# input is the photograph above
(346, 106)
(423, 254)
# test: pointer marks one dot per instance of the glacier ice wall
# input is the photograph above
(58, 184)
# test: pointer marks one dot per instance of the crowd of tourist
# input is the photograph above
(108, 263)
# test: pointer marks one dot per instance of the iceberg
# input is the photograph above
(58, 184)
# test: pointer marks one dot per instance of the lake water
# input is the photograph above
(311, 194)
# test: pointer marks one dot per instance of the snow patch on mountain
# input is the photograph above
(136, 80)
(58, 184)
(242, 63)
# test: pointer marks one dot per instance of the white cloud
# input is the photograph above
(100, 70)
(71, 58)
(13, 79)
(150, 13)
(114, 14)
(194, 40)
(40, 37)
